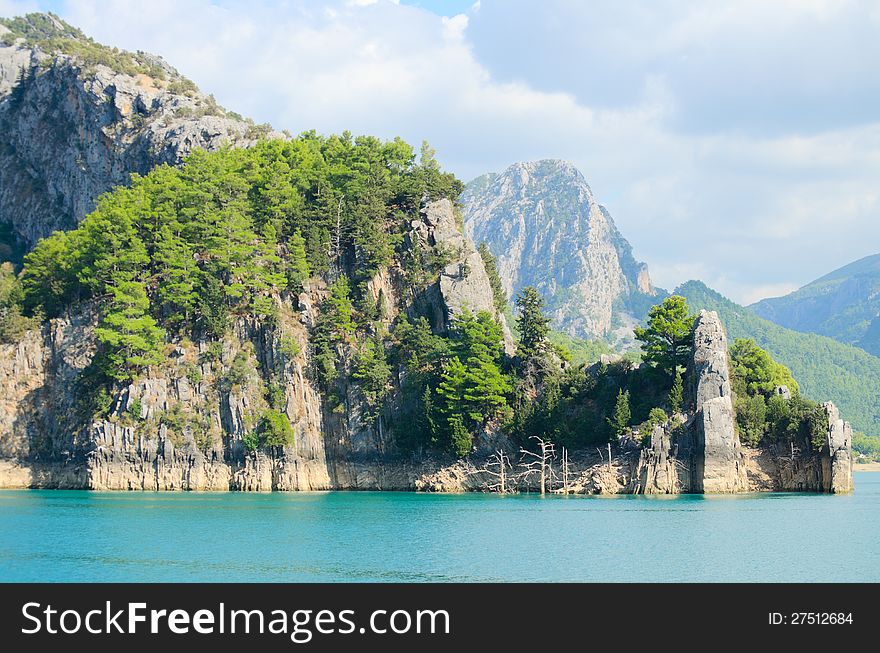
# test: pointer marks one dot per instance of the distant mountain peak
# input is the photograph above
(546, 229)
(843, 304)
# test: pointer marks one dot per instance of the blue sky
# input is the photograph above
(738, 143)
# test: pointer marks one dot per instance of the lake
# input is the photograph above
(54, 536)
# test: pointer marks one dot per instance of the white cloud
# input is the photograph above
(454, 27)
(746, 210)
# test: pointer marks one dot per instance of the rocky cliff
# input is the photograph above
(77, 118)
(705, 455)
(545, 228)
(463, 282)
(184, 427)
(719, 465)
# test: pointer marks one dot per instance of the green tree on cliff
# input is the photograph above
(297, 264)
(491, 266)
(754, 370)
(620, 419)
(533, 326)
(373, 374)
(334, 327)
(666, 341)
(676, 394)
(130, 338)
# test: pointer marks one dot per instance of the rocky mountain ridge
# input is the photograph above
(542, 223)
(77, 118)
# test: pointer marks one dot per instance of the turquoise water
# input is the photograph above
(373, 536)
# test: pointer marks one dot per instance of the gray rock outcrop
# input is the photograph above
(719, 465)
(70, 132)
(837, 460)
(658, 471)
(782, 391)
(462, 282)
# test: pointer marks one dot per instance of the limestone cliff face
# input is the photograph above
(463, 283)
(70, 132)
(659, 471)
(719, 462)
(185, 426)
(545, 228)
(706, 456)
(42, 433)
(837, 461)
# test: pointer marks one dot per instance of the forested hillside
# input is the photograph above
(843, 304)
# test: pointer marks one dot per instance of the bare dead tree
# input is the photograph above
(565, 469)
(602, 456)
(538, 463)
(497, 467)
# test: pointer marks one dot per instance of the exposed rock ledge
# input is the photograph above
(44, 444)
(709, 457)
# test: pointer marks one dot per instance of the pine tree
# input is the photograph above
(477, 335)
(338, 312)
(754, 370)
(533, 326)
(50, 279)
(622, 414)
(676, 394)
(177, 275)
(450, 389)
(373, 374)
(485, 390)
(472, 389)
(334, 327)
(297, 263)
(461, 438)
(667, 339)
(130, 337)
(498, 294)
(751, 418)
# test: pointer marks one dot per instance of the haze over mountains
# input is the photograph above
(843, 304)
